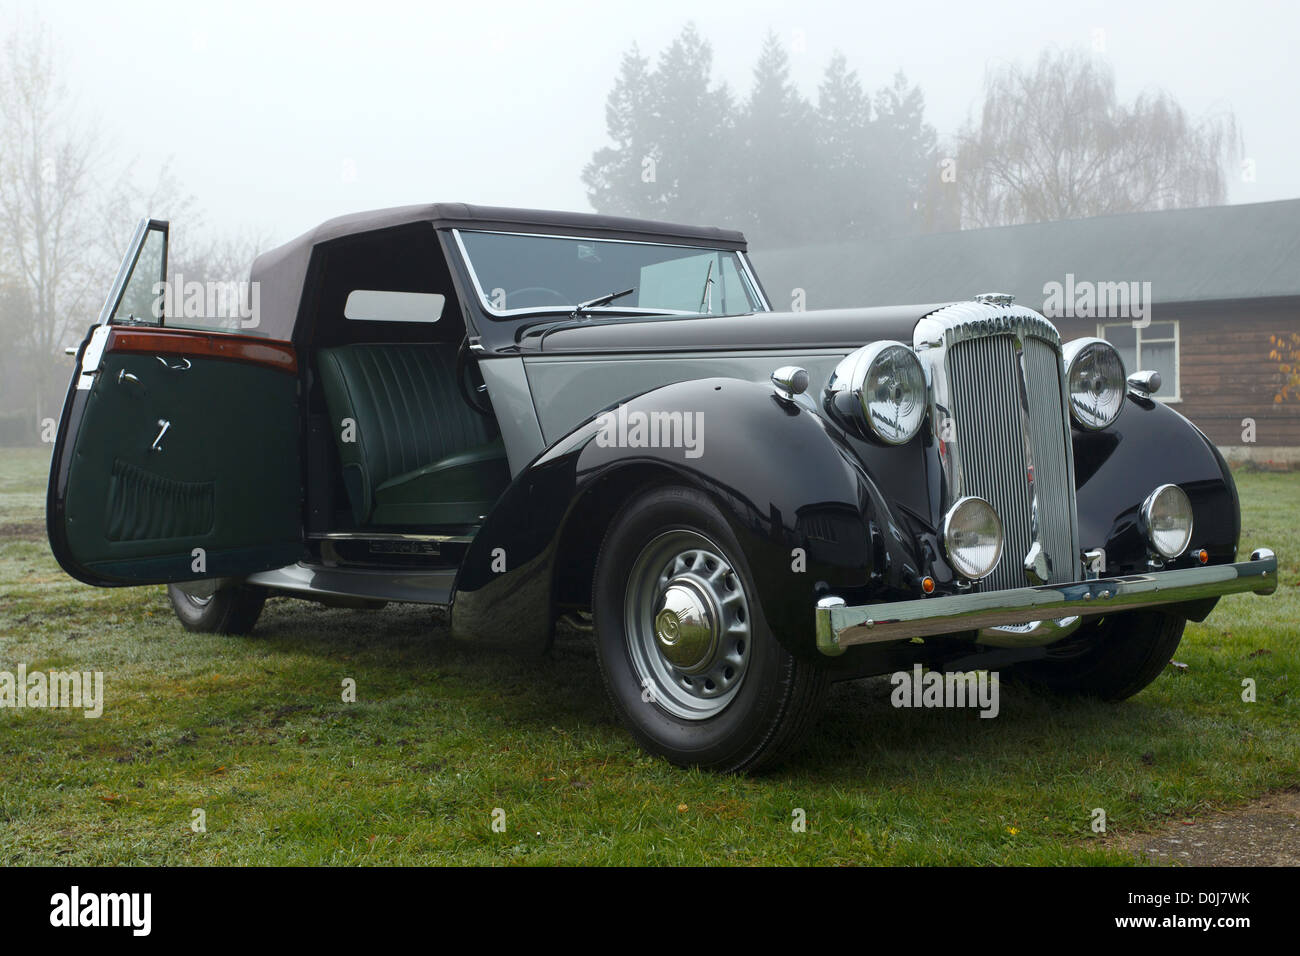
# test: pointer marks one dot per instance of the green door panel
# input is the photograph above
(178, 468)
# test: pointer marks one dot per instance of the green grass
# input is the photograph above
(254, 732)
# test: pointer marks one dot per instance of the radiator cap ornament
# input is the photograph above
(995, 298)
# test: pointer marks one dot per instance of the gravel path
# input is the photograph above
(1264, 833)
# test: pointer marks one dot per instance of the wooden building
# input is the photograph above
(1197, 294)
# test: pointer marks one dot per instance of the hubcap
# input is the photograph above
(687, 625)
(686, 628)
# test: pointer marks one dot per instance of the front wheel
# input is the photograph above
(1113, 658)
(228, 610)
(688, 660)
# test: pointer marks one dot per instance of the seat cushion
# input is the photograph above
(458, 489)
(406, 414)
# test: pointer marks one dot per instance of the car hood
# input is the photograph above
(827, 328)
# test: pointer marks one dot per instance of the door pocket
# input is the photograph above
(143, 506)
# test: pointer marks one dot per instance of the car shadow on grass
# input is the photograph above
(860, 729)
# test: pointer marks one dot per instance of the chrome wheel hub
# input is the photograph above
(687, 625)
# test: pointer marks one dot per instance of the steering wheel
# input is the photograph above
(474, 395)
(558, 296)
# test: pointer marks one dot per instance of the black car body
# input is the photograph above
(524, 414)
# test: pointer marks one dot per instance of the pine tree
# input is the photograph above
(845, 150)
(614, 176)
(779, 139)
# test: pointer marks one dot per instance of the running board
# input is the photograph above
(409, 586)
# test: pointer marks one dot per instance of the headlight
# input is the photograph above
(972, 538)
(1167, 520)
(1094, 375)
(883, 386)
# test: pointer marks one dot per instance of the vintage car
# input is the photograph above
(522, 416)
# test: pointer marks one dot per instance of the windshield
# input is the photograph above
(546, 273)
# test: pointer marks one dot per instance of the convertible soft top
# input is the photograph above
(282, 271)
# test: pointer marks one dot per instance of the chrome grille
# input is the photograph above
(1003, 422)
(1050, 440)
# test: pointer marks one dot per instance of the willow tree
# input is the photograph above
(1053, 141)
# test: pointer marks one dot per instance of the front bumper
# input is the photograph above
(840, 627)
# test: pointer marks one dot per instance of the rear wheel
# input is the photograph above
(688, 660)
(1113, 658)
(228, 610)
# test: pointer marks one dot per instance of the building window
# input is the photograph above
(1152, 347)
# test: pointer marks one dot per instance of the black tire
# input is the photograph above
(1112, 659)
(777, 697)
(231, 610)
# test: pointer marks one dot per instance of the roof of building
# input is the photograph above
(1188, 255)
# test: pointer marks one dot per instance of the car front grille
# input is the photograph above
(1004, 392)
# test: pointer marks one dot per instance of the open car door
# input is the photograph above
(177, 455)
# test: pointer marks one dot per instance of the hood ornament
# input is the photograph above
(995, 298)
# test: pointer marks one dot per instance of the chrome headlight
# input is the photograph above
(882, 386)
(972, 538)
(1094, 376)
(1167, 520)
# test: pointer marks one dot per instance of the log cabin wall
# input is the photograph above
(1226, 374)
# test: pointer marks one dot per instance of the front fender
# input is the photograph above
(1116, 468)
(784, 478)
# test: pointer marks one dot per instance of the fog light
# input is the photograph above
(972, 538)
(1167, 520)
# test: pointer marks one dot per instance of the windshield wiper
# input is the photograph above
(707, 296)
(599, 301)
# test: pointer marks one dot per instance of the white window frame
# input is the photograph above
(1160, 396)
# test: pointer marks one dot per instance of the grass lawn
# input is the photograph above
(253, 732)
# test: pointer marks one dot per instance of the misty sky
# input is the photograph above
(277, 116)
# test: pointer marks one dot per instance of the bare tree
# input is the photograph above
(47, 159)
(1053, 142)
(65, 221)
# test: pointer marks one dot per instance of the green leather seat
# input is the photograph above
(419, 454)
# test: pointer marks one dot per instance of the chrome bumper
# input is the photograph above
(840, 627)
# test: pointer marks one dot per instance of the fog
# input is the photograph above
(275, 116)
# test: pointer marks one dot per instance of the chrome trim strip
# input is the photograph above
(387, 536)
(841, 627)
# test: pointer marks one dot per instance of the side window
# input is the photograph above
(1154, 346)
(140, 283)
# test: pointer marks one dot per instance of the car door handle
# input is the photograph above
(180, 366)
(163, 425)
(125, 378)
